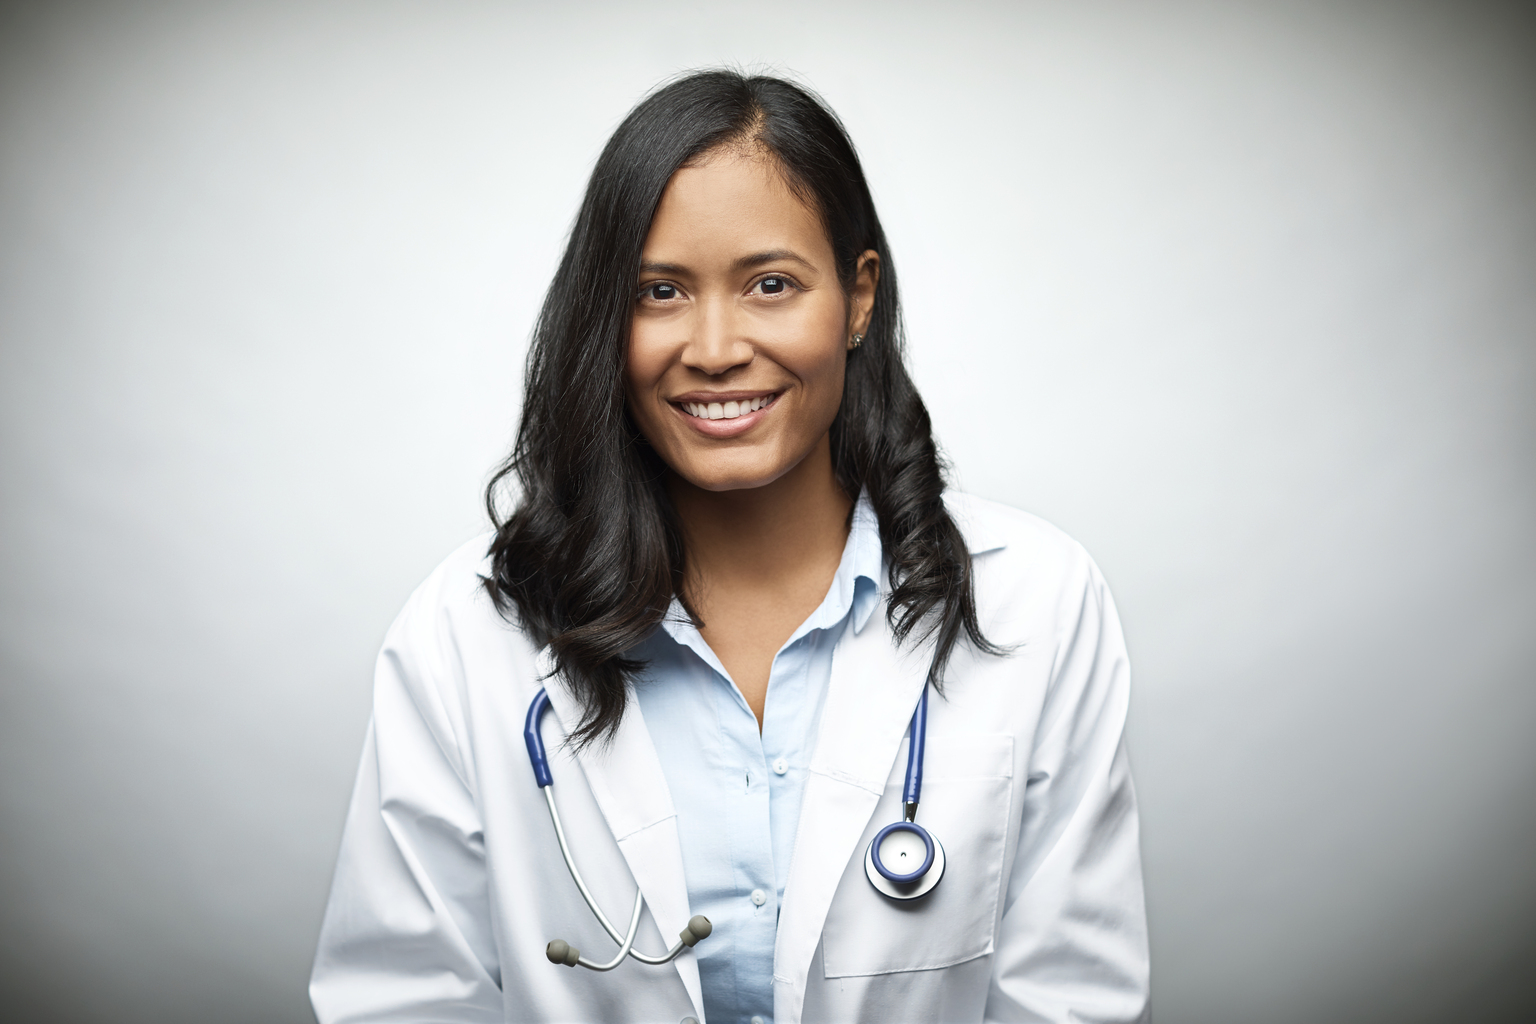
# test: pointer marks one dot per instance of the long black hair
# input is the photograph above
(590, 558)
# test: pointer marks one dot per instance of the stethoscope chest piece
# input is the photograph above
(904, 861)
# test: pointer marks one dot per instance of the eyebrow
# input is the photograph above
(757, 259)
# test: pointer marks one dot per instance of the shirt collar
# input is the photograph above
(864, 560)
(855, 588)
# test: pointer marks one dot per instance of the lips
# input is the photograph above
(728, 409)
(724, 414)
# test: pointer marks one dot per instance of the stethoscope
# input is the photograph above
(889, 861)
(904, 861)
(559, 951)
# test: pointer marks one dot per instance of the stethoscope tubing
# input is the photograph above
(917, 744)
(624, 947)
(908, 885)
(537, 755)
(912, 789)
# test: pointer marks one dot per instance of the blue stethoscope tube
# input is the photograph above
(891, 880)
(559, 951)
(917, 743)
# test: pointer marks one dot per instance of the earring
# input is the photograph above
(858, 339)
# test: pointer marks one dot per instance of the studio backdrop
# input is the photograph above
(1242, 296)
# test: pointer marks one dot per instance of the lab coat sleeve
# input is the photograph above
(1072, 944)
(407, 933)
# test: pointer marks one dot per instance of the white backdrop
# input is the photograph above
(1244, 297)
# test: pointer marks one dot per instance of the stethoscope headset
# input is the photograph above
(903, 862)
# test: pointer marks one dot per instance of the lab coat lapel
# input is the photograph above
(626, 780)
(870, 698)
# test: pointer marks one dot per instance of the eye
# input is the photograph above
(773, 285)
(660, 292)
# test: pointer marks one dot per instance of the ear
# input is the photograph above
(861, 303)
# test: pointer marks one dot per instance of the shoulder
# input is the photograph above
(457, 582)
(990, 527)
(451, 607)
(1023, 564)
(450, 650)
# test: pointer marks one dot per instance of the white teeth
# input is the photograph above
(725, 410)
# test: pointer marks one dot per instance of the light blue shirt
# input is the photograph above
(737, 792)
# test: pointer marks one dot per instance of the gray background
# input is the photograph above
(1244, 297)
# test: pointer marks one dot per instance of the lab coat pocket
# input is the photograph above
(967, 792)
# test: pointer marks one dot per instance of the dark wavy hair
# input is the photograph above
(592, 554)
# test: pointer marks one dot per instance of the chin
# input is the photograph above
(731, 482)
(720, 478)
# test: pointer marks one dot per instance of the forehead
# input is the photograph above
(729, 202)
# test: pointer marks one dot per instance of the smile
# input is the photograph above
(726, 410)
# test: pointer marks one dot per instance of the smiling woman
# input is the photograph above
(734, 375)
(725, 475)
(739, 286)
(727, 226)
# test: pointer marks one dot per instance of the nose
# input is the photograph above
(717, 343)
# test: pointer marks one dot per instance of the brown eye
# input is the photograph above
(772, 285)
(661, 292)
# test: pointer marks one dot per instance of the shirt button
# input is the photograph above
(780, 766)
(757, 1020)
(759, 897)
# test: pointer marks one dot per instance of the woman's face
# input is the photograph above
(741, 327)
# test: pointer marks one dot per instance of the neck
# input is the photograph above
(768, 535)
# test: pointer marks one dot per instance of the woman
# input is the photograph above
(735, 573)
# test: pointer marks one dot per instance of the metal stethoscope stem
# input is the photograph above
(559, 951)
(903, 862)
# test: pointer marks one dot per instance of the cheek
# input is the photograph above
(820, 357)
(829, 390)
(644, 362)
(644, 366)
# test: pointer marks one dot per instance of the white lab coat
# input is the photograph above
(450, 883)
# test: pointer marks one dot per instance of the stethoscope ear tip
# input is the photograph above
(561, 952)
(698, 930)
